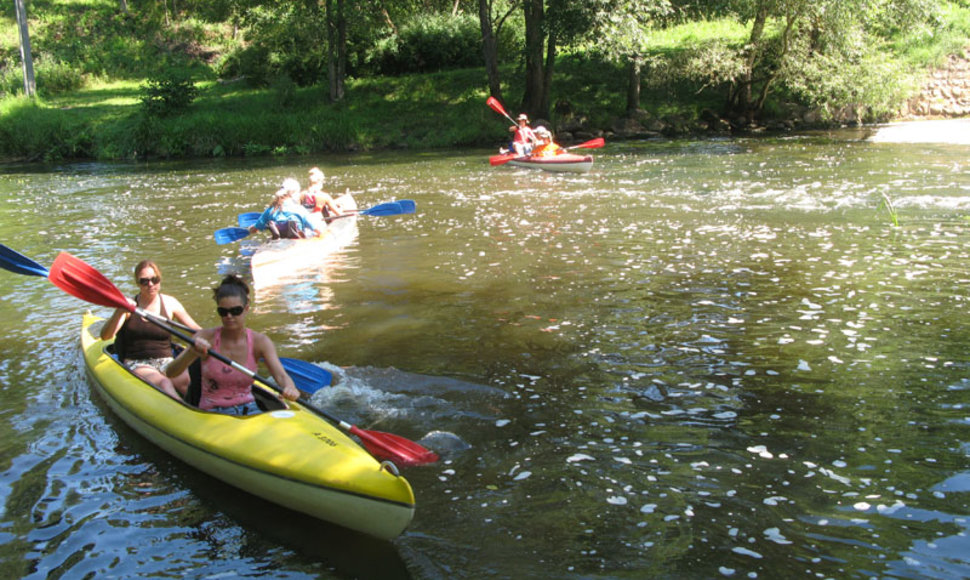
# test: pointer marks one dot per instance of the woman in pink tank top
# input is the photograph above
(224, 389)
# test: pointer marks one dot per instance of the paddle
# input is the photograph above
(308, 377)
(248, 219)
(379, 210)
(591, 144)
(504, 158)
(229, 235)
(498, 108)
(81, 280)
(20, 264)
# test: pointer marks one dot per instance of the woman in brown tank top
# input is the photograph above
(145, 348)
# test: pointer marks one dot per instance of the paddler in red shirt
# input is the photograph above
(525, 138)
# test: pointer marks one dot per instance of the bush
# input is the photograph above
(167, 94)
(55, 77)
(429, 43)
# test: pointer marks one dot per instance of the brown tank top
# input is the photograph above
(144, 340)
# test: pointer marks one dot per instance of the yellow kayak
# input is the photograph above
(287, 455)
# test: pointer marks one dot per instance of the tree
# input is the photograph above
(30, 84)
(827, 51)
(547, 24)
(621, 30)
(337, 48)
(534, 99)
(490, 33)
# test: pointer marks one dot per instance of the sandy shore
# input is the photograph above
(954, 131)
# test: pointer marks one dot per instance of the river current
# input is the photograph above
(737, 358)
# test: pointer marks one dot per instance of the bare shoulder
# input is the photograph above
(262, 344)
(172, 302)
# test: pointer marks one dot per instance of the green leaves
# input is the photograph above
(167, 94)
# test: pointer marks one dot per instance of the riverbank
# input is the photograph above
(420, 112)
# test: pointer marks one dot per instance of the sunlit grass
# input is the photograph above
(691, 34)
(113, 93)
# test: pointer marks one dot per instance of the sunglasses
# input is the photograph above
(235, 310)
(147, 281)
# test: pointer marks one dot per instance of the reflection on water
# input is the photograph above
(704, 358)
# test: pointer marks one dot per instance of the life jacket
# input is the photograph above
(547, 150)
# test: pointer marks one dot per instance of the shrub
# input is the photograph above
(429, 42)
(167, 94)
(55, 77)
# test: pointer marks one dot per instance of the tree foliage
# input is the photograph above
(827, 54)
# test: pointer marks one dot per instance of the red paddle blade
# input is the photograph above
(395, 448)
(496, 106)
(77, 278)
(591, 144)
(500, 159)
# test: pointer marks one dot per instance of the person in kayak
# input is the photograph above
(224, 389)
(523, 138)
(285, 218)
(143, 347)
(314, 199)
(545, 146)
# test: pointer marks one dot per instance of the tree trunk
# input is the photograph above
(633, 87)
(547, 76)
(336, 48)
(30, 84)
(489, 48)
(123, 4)
(341, 48)
(533, 97)
(744, 93)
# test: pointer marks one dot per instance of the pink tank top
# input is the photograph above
(222, 385)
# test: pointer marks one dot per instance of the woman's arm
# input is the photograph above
(326, 201)
(111, 326)
(264, 349)
(188, 355)
(263, 222)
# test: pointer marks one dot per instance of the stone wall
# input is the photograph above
(946, 93)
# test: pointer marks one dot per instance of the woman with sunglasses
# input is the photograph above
(224, 389)
(142, 346)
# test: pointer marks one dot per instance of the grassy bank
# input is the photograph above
(428, 111)
(105, 119)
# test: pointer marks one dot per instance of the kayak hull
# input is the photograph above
(277, 262)
(287, 455)
(563, 163)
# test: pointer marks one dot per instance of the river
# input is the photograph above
(738, 358)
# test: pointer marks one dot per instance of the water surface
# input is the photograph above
(706, 358)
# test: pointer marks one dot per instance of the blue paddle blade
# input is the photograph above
(383, 209)
(308, 377)
(408, 205)
(248, 219)
(20, 264)
(229, 235)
